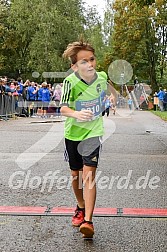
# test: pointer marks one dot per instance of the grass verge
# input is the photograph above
(162, 115)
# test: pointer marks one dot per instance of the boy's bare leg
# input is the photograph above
(77, 188)
(89, 191)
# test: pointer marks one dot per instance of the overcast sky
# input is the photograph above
(99, 3)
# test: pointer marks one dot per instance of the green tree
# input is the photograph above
(143, 3)
(38, 32)
(161, 33)
(59, 25)
(94, 34)
(17, 39)
(134, 38)
(4, 11)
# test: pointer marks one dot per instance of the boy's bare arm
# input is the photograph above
(82, 115)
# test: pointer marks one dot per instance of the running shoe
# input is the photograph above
(87, 229)
(78, 217)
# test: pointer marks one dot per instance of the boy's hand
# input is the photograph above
(83, 115)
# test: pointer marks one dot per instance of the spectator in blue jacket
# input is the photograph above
(39, 103)
(165, 100)
(20, 84)
(130, 103)
(160, 96)
(8, 90)
(32, 92)
(107, 105)
(31, 97)
(45, 98)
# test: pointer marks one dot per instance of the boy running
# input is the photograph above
(81, 104)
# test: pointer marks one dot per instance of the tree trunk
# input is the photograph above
(150, 45)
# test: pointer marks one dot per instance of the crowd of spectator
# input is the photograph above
(42, 99)
(35, 100)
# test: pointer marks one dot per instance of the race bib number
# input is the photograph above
(92, 105)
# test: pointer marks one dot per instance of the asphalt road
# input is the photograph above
(131, 174)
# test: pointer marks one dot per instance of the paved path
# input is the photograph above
(135, 147)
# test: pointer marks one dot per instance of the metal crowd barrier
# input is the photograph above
(20, 105)
(7, 106)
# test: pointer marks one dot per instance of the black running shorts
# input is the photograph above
(84, 152)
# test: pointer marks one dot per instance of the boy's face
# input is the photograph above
(86, 64)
